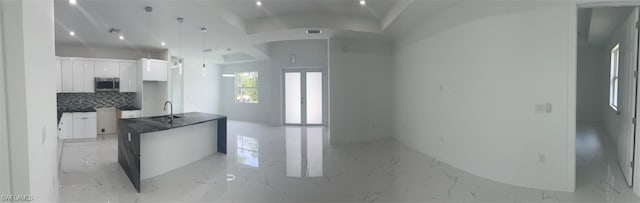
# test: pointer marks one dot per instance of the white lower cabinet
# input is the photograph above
(84, 125)
(130, 114)
(65, 127)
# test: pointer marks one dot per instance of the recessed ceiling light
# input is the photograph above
(72, 2)
(121, 37)
(258, 3)
(363, 2)
(72, 33)
(163, 44)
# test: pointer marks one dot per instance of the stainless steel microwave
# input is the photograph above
(107, 84)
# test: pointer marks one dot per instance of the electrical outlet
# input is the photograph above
(441, 139)
(541, 158)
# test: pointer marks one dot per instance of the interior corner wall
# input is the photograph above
(592, 86)
(360, 84)
(28, 34)
(466, 86)
(201, 92)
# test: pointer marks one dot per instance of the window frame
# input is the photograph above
(614, 78)
(237, 88)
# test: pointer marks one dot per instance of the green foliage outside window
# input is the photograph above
(247, 87)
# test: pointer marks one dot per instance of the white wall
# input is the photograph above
(360, 84)
(593, 85)
(309, 53)
(268, 94)
(5, 184)
(28, 34)
(104, 52)
(201, 93)
(467, 82)
(612, 120)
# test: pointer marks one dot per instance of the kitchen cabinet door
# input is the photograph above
(66, 67)
(91, 128)
(128, 77)
(83, 76)
(66, 126)
(88, 77)
(106, 69)
(114, 70)
(101, 69)
(78, 128)
(160, 70)
(130, 114)
(154, 70)
(78, 76)
(58, 75)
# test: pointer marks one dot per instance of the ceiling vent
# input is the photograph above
(114, 31)
(314, 31)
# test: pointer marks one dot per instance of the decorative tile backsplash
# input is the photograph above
(68, 101)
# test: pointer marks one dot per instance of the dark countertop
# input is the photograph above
(160, 123)
(81, 110)
(128, 108)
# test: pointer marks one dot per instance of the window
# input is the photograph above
(247, 87)
(613, 79)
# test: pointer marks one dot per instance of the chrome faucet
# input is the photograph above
(165, 109)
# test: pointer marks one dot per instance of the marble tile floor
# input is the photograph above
(296, 164)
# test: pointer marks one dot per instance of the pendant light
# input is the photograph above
(203, 30)
(149, 9)
(180, 60)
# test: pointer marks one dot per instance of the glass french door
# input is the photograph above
(303, 97)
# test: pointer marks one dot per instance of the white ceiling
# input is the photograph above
(237, 24)
(595, 26)
(246, 9)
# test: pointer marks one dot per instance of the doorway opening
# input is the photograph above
(607, 95)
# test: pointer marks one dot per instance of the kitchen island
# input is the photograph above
(152, 146)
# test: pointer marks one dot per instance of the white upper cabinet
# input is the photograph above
(107, 69)
(66, 67)
(154, 70)
(83, 76)
(128, 77)
(58, 76)
(77, 75)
